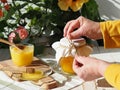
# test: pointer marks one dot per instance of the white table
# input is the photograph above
(111, 55)
(74, 83)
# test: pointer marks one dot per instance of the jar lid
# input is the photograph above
(79, 42)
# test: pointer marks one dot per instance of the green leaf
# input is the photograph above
(90, 10)
(3, 24)
(13, 10)
(1, 35)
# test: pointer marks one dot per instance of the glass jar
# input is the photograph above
(24, 56)
(66, 50)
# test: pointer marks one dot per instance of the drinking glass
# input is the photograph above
(24, 56)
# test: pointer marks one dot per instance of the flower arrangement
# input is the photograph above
(36, 18)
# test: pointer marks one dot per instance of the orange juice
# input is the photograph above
(66, 64)
(22, 57)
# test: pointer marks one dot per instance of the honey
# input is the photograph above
(32, 76)
(66, 64)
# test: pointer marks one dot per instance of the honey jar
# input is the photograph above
(66, 50)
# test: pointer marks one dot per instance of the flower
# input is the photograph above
(22, 32)
(6, 6)
(75, 5)
(1, 13)
(17, 35)
(3, 1)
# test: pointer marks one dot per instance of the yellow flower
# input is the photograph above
(64, 4)
(75, 5)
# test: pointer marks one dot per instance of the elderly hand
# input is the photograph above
(82, 27)
(88, 68)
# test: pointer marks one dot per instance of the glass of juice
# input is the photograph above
(24, 56)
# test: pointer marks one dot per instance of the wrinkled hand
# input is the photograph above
(82, 27)
(88, 68)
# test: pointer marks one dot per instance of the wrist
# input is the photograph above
(99, 33)
(102, 67)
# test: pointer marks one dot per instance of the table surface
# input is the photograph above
(67, 83)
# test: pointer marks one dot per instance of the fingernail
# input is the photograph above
(64, 35)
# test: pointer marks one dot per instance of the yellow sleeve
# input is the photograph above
(112, 75)
(111, 36)
(111, 33)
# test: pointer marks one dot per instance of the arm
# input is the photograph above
(89, 68)
(112, 75)
(111, 36)
(111, 33)
(108, 30)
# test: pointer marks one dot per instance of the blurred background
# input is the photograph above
(109, 9)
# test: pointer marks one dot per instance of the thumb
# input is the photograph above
(76, 64)
(77, 67)
(80, 59)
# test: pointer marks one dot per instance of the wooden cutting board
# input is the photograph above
(13, 72)
(10, 69)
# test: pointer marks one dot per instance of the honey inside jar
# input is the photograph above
(66, 64)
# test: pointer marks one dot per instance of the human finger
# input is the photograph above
(77, 33)
(80, 59)
(78, 68)
(66, 28)
(71, 27)
(76, 65)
